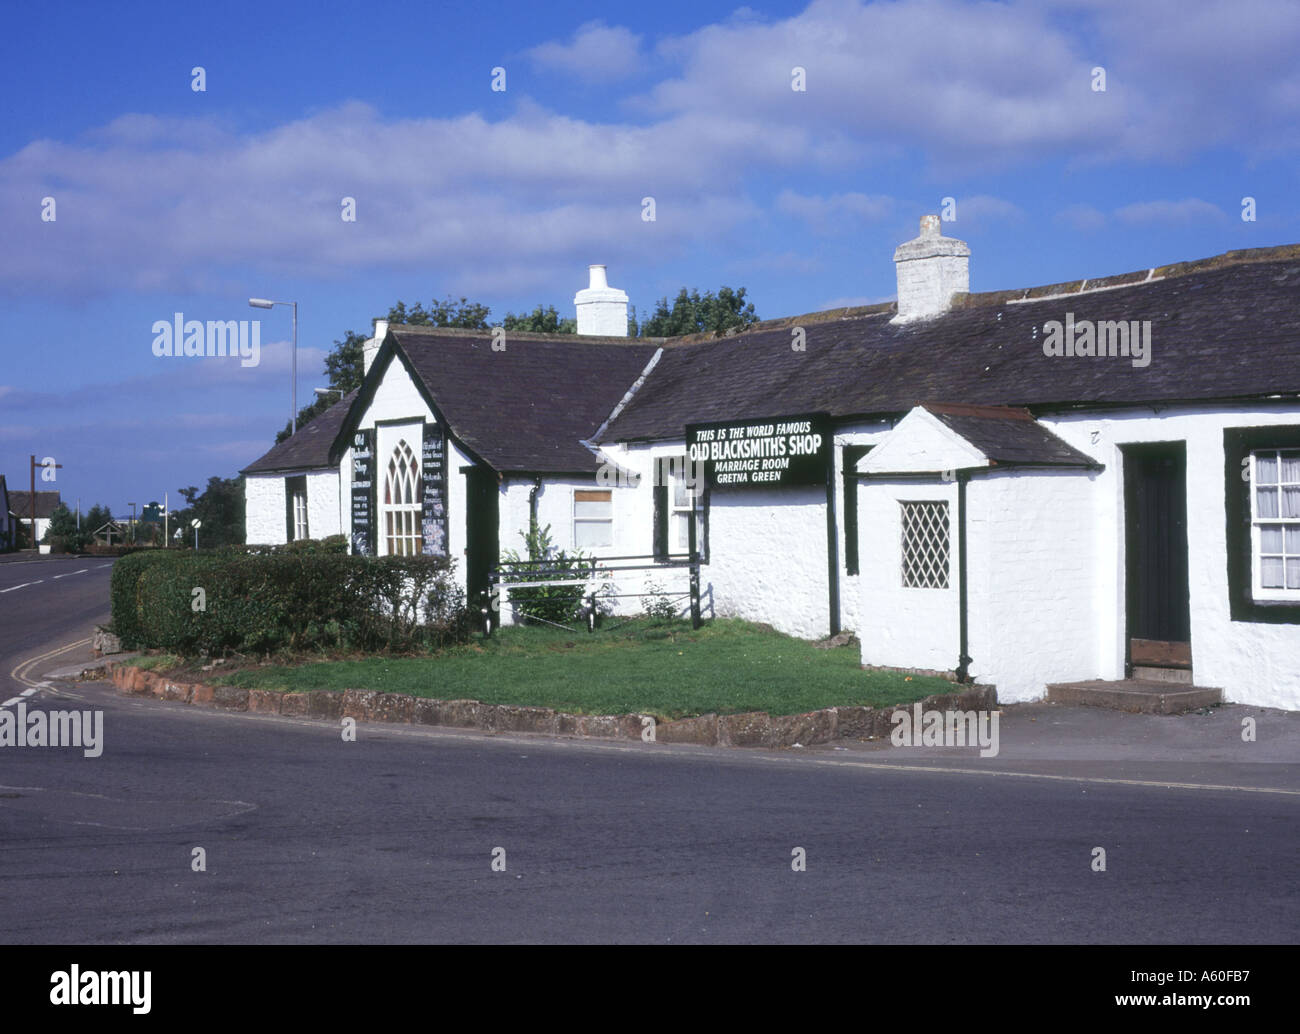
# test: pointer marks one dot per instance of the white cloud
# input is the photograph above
(835, 213)
(1181, 213)
(1081, 217)
(597, 53)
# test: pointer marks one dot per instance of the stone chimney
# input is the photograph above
(370, 348)
(931, 269)
(602, 309)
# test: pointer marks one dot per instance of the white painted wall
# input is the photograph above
(898, 626)
(1253, 663)
(264, 509)
(1033, 600)
(1047, 569)
(323, 503)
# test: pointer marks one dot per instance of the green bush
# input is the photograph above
(336, 544)
(553, 603)
(124, 593)
(260, 604)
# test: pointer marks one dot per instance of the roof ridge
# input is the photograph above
(521, 335)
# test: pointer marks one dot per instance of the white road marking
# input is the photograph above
(13, 587)
(11, 701)
(69, 574)
(27, 692)
(102, 566)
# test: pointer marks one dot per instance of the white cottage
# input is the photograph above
(1079, 481)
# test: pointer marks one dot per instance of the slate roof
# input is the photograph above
(20, 503)
(529, 407)
(1224, 328)
(1009, 436)
(309, 449)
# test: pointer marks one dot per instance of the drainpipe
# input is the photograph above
(963, 659)
(532, 509)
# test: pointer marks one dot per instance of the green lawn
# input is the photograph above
(726, 666)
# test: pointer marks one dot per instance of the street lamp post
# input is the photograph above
(266, 303)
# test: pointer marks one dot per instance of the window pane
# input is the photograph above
(1293, 539)
(681, 497)
(1270, 572)
(1293, 573)
(1266, 468)
(1270, 539)
(1266, 502)
(1291, 501)
(601, 511)
(587, 534)
(1291, 467)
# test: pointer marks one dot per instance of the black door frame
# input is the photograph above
(482, 530)
(1156, 580)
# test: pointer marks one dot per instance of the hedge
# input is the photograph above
(124, 593)
(211, 604)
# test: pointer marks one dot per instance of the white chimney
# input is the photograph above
(370, 348)
(602, 310)
(931, 269)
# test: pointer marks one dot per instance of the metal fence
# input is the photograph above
(539, 574)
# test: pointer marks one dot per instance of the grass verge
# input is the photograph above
(671, 672)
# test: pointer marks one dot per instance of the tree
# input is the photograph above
(220, 507)
(446, 313)
(540, 321)
(94, 519)
(62, 530)
(692, 314)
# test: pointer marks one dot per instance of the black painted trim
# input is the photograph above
(1238, 443)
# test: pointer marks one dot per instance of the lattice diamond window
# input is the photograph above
(926, 545)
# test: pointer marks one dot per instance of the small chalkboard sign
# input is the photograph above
(433, 478)
(363, 493)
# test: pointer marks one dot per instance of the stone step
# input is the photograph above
(1147, 673)
(1135, 695)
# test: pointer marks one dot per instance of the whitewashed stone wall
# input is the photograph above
(1253, 663)
(1033, 598)
(264, 509)
(898, 626)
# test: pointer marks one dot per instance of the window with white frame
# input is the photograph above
(295, 509)
(926, 544)
(300, 512)
(593, 518)
(1275, 524)
(687, 490)
(402, 509)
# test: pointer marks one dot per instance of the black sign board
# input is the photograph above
(363, 493)
(771, 452)
(433, 478)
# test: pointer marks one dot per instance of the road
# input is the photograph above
(307, 838)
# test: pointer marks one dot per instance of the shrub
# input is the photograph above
(309, 601)
(124, 594)
(658, 605)
(553, 603)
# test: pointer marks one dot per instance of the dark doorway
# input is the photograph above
(482, 512)
(1155, 508)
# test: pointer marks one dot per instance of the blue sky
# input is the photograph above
(170, 200)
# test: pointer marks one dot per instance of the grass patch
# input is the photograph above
(156, 662)
(668, 671)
